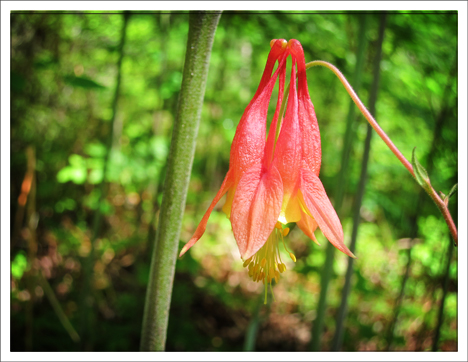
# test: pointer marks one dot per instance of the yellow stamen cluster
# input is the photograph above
(266, 264)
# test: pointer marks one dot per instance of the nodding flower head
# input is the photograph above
(273, 180)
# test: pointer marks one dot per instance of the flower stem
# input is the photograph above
(430, 191)
(202, 26)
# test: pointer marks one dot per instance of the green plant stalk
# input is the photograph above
(430, 191)
(252, 329)
(327, 271)
(440, 314)
(342, 311)
(202, 27)
(404, 280)
(446, 279)
(48, 291)
(87, 330)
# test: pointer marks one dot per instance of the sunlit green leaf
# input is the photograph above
(19, 265)
(96, 176)
(95, 149)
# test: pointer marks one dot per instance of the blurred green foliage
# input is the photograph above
(63, 74)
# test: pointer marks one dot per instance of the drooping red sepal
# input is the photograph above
(308, 225)
(256, 207)
(287, 156)
(227, 183)
(318, 204)
(271, 140)
(311, 146)
(248, 146)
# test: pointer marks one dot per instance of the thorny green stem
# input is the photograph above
(430, 191)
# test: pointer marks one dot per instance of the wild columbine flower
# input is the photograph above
(274, 182)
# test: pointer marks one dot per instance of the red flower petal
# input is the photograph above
(308, 225)
(227, 183)
(311, 147)
(288, 154)
(255, 209)
(317, 203)
(271, 140)
(248, 146)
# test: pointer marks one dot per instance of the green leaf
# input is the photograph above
(77, 161)
(82, 82)
(96, 176)
(45, 63)
(452, 191)
(95, 149)
(75, 172)
(19, 265)
(446, 198)
(68, 173)
(420, 172)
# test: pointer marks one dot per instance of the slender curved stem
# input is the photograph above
(430, 191)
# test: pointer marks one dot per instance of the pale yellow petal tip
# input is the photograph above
(352, 255)
(284, 43)
(183, 251)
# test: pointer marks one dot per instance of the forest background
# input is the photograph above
(68, 129)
